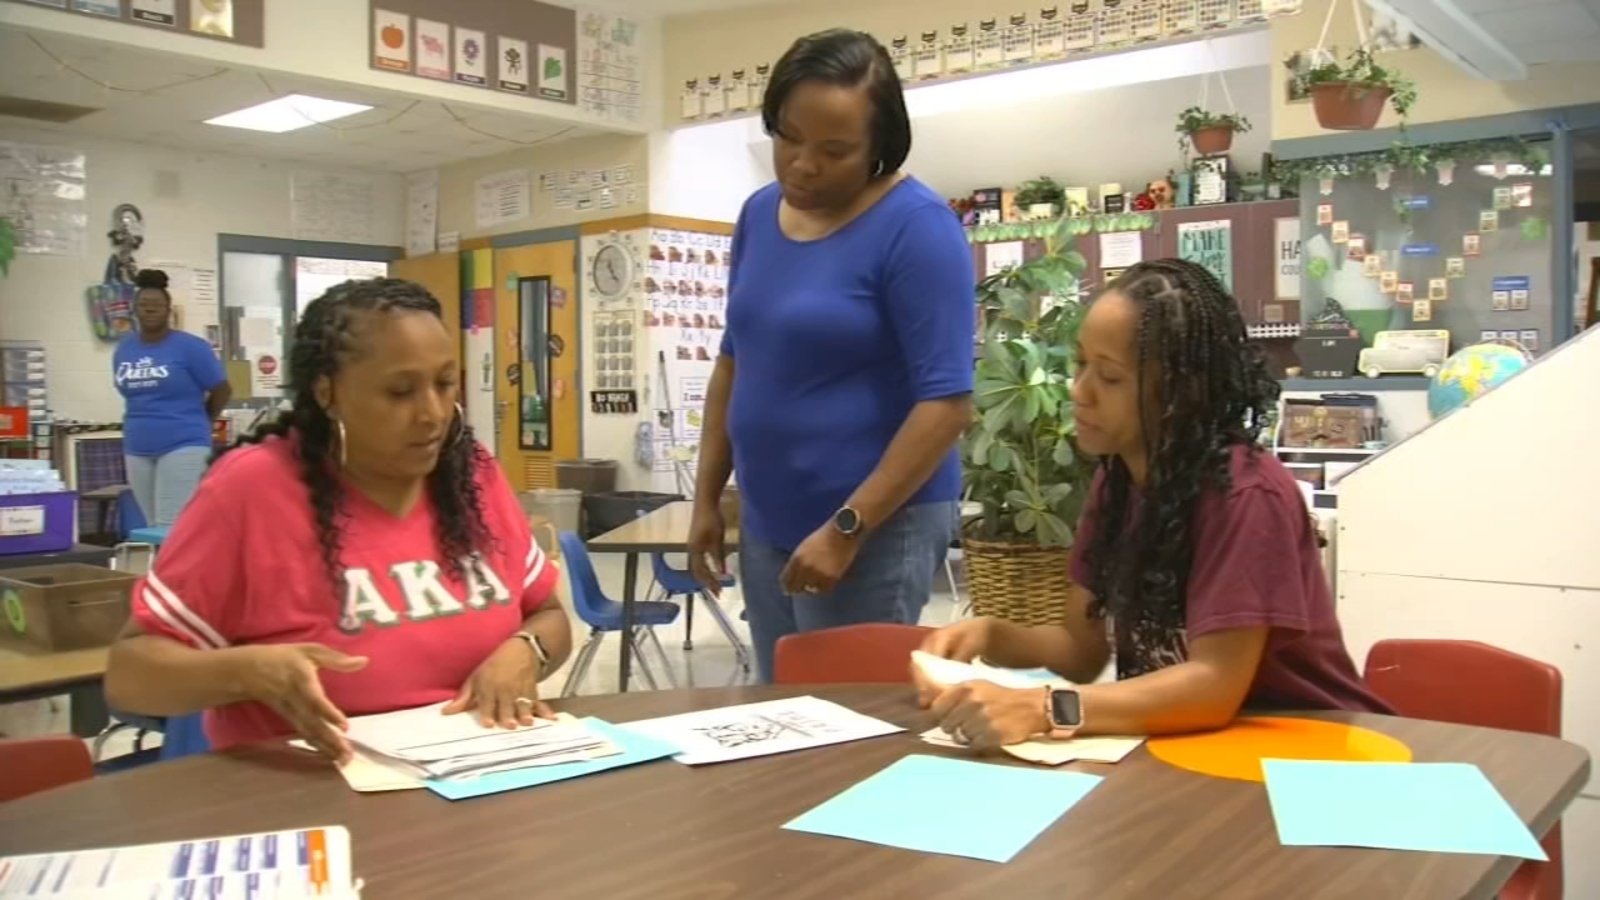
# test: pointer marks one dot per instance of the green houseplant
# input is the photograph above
(1019, 461)
(1207, 132)
(1033, 196)
(1351, 96)
(8, 246)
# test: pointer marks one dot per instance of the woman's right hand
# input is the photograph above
(284, 678)
(708, 558)
(963, 641)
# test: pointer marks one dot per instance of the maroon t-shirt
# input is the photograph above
(1256, 563)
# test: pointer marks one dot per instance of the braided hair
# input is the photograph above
(324, 341)
(1214, 392)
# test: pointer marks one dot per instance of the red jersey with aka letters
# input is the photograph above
(243, 565)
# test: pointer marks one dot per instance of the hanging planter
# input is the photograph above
(1208, 133)
(1351, 96)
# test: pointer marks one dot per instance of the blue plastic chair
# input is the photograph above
(680, 583)
(603, 615)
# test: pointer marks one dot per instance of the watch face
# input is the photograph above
(847, 521)
(1065, 710)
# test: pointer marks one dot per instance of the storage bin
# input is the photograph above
(608, 512)
(70, 606)
(591, 476)
(38, 523)
(561, 507)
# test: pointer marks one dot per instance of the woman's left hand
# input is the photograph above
(983, 715)
(819, 563)
(504, 690)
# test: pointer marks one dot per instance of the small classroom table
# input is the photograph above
(664, 830)
(87, 554)
(29, 673)
(662, 530)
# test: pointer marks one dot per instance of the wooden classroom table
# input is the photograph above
(664, 830)
(662, 530)
(88, 554)
(28, 673)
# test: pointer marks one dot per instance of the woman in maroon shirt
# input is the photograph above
(1195, 560)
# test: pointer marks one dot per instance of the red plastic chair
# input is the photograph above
(1469, 683)
(873, 653)
(31, 765)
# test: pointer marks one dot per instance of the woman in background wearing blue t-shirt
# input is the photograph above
(845, 376)
(175, 388)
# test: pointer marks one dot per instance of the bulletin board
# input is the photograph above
(525, 48)
(233, 21)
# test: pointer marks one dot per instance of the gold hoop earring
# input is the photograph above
(461, 425)
(342, 442)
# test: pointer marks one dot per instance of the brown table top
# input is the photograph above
(663, 830)
(663, 530)
(26, 668)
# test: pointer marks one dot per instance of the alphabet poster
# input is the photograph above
(1209, 244)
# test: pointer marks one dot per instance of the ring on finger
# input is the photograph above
(811, 589)
(524, 701)
(960, 736)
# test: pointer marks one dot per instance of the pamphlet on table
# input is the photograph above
(426, 744)
(283, 865)
(760, 729)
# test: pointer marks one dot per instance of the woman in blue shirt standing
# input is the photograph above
(845, 375)
(175, 387)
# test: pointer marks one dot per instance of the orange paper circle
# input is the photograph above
(1237, 751)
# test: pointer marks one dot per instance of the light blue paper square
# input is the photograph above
(957, 807)
(1431, 807)
(636, 748)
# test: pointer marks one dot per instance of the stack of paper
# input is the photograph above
(284, 865)
(424, 743)
(949, 672)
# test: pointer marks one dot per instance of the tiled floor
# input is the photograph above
(712, 662)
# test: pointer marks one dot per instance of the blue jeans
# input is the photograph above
(163, 484)
(890, 580)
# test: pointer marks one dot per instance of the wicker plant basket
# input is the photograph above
(1022, 583)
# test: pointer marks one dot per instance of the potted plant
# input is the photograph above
(1042, 197)
(1019, 462)
(1207, 132)
(1351, 96)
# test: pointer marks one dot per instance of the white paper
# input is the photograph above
(433, 49)
(42, 192)
(1121, 249)
(504, 198)
(427, 743)
(332, 207)
(449, 242)
(949, 672)
(999, 257)
(1053, 753)
(512, 64)
(259, 334)
(422, 212)
(1286, 261)
(266, 372)
(761, 729)
(471, 67)
(610, 66)
(553, 72)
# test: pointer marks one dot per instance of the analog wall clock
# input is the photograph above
(612, 272)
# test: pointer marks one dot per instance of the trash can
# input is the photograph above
(610, 511)
(591, 476)
(561, 507)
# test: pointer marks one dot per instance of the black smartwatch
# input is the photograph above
(847, 521)
(1066, 709)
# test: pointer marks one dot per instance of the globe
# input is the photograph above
(1471, 372)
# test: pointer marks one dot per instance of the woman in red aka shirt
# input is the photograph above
(363, 555)
(1195, 557)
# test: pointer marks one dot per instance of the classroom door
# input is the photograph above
(537, 409)
(440, 273)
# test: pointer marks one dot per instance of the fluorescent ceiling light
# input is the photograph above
(288, 113)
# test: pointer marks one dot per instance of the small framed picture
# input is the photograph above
(1325, 214)
(1422, 311)
(1522, 197)
(1404, 292)
(1356, 247)
(1372, 265)
(1500, 301)
(1502, 199)
(1472, 242)
(1341, 231)
(1388, 282)
(1488, 220)
(1455, 267)
(1438, 289)
(1529, 338)
(1513, 336)
(1489, 335)
(1519, 300)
